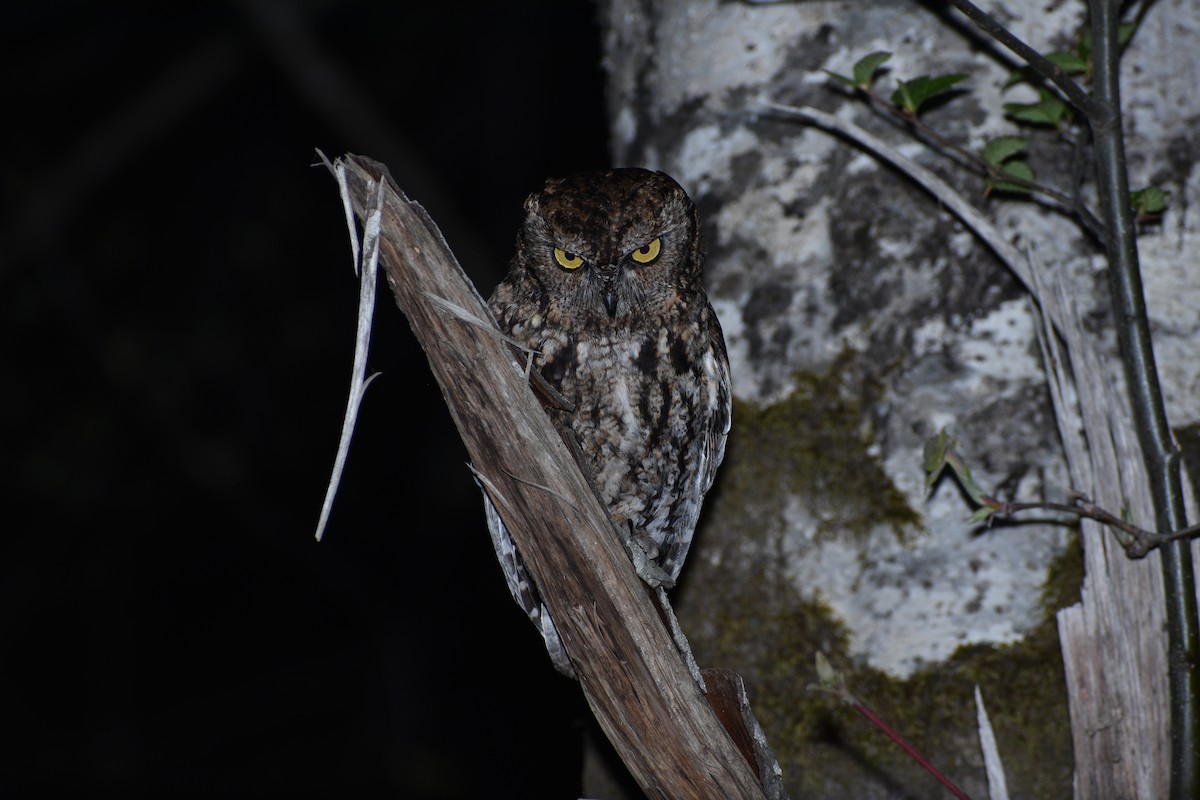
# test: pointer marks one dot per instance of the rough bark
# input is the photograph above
(632, 675)
(861, 319)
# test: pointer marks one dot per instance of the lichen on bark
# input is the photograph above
(814, 447)
(861, 319)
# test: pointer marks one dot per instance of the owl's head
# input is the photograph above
(614, 245)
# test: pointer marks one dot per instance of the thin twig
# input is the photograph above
(548, 489)
(1149, 412)
(1140, 543)
(946, 194)
(1085, 102)
(833, 682)
(487, 326)
(912, 751)
(1070, 205)
(366, 260)
(551, 397)
(964, 157)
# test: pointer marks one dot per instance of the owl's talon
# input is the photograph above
(644, 553)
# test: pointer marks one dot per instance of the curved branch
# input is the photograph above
(946, 194)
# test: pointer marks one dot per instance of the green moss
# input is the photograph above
(760, 626)
(1064, 578)
(814, 446)
(744, 611)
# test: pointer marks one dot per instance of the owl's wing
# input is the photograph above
(717, 414)
(522, 589)
(716, 364)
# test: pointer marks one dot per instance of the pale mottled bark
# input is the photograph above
(846, 292)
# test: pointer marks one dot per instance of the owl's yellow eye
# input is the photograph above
(567, 260)
(647, 252)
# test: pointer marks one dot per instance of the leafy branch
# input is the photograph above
(941, 454)
(996, 164)
(1001, 162)
(1059, 80)
(1117, 206)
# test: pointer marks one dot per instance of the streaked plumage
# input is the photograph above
(606, 288)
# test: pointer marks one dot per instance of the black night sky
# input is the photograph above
(178, 312)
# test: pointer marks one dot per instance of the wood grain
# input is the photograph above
(630, 670)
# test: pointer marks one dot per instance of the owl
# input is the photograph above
(605, 290)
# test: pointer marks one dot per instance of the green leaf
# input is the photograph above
(973, 489)
(1070, 63)
(911, 95)
(1018, 76)
(864, 71)
(939, 454)
(865, 67)
(1050, 111)
(1002, 148)
(842, 78)
(983, 513)
(826, 674)
(1151, 200)
(936, 450)
(1017, 169)
(1125, 32)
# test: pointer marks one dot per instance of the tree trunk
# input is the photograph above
(862, 318)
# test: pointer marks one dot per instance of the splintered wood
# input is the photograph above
(632, 674)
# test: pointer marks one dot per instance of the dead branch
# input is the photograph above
(632, 674)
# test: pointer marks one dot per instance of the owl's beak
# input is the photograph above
(610, 300)
(609, 276)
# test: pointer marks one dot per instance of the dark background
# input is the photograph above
(178, 323)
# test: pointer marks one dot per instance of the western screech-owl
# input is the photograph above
(605, 290)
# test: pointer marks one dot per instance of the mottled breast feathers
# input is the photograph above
(606, 288)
